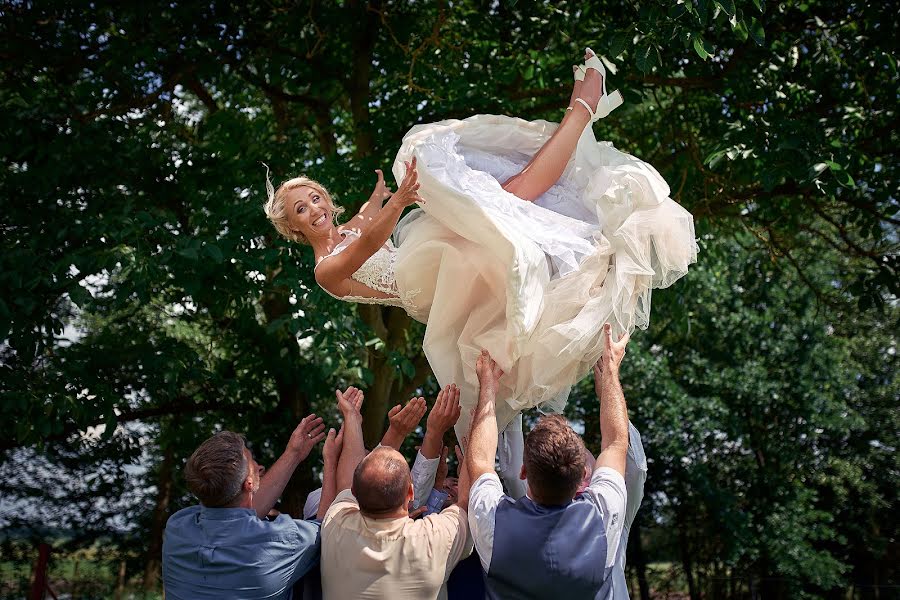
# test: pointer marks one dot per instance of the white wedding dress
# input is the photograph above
(533, 283)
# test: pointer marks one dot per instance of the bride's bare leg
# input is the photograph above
(550, 161)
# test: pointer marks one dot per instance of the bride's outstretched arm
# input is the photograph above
(341, 266)
(373, 205)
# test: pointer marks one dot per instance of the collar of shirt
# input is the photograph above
(225, 514)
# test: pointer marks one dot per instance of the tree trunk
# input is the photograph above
(293, 400)
(639, 559)
(389, 324)
(164, 479)
(120, 582)
(686, 562)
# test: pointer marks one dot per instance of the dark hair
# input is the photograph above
(554, 460)
(217, 469)
(381, 481)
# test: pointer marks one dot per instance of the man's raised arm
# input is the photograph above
(483, 435)
(613, 412)
(352, 450)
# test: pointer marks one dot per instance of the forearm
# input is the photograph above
(613, 422)
(393, 438)
(352, 453)
(377, 232)
(370, 209)
(482, 438)
(274, 481)
(432, 444)
(329, 488)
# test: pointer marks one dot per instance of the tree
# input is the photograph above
(145, 291)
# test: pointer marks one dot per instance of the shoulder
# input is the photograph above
(183, 516)
(344, 505)
(609, 485)
(485, 495)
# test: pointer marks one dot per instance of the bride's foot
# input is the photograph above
(578, 74)
(594, 100)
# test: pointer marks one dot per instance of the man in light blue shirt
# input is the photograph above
(225, 548)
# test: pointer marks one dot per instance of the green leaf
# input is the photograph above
(79, 295)
(528, 73)
(760, 5)
(698, 48)
(189, 253)
(740, 29)
(714, 158)
(757, 31)
(726, 5)
(677, 10)
(214, 253)
(407, 368)
(617, 44)
(646, 58)
(703, 48)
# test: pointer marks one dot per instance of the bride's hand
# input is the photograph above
(381, 191)
(408, 192)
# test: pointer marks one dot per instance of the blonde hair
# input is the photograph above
(277, 213)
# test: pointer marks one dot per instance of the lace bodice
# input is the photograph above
(376, 273)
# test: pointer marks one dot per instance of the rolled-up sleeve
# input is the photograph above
(484, 498)
(423, 473)
(607, 492)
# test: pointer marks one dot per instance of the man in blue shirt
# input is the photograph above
(225, 548)
(550, 543)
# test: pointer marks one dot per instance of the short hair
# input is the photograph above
(277, 213)
(381, 481)
(216, 470)
(554, 460)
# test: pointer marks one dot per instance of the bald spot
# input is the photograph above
(381, 481)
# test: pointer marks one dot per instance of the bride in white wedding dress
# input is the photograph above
(529, 237)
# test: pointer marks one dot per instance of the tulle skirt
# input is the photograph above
(533, 283)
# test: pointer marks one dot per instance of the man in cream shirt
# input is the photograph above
(370, 546)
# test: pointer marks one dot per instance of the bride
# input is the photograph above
(529, 237)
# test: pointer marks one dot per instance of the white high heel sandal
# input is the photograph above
(607, 102)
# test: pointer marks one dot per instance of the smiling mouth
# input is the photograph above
(319, 221)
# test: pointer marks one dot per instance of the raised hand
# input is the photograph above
(402, 421)
(405, 419)
(381, 191)
(446, 410)
(349, 401)
(444, 415)
(334, 443)
(488, 372)
(307, 434)
(408, 192)
(613, 353)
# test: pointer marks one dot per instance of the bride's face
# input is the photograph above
(308, 211)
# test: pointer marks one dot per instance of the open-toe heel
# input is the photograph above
(607, 102)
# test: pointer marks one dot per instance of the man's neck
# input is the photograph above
(398, 513)
(245, 500)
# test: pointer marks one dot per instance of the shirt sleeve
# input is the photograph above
(309, 547)
(607, 492)
(423, 473)
(452, 530)
(344, 503)
(484, 497)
